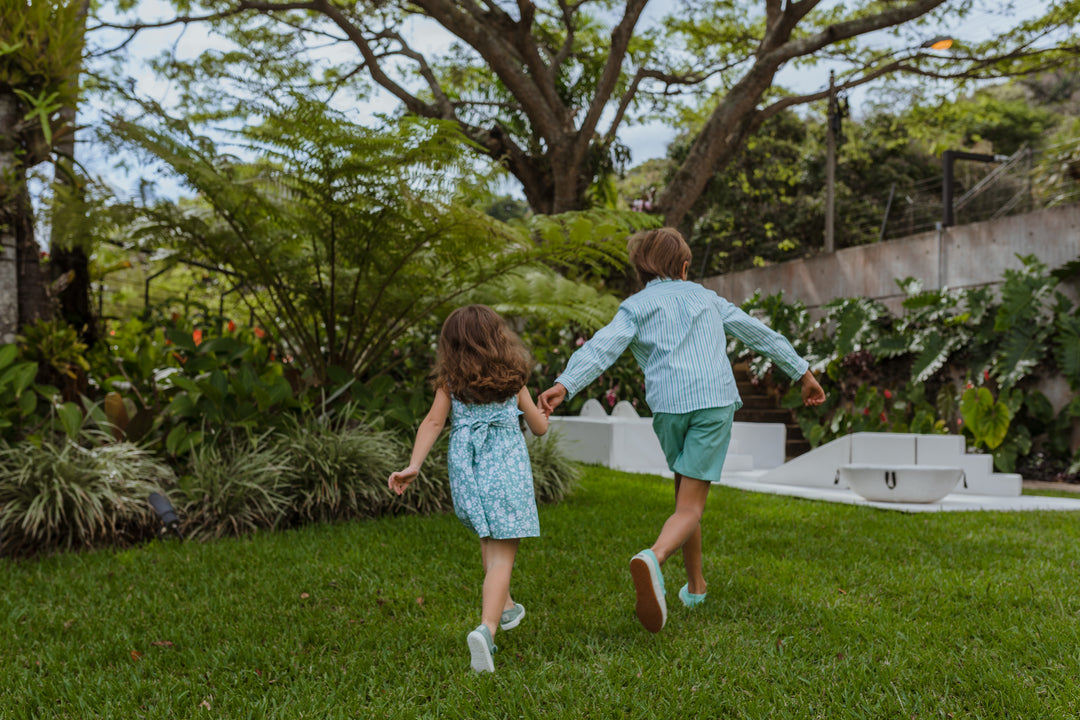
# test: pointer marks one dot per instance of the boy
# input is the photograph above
(677, 331)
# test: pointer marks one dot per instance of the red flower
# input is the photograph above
(884, 417)
(866, 411)
(969, 386)
(986, 376)
(197, 336)
(231, 326)
(260, 333)
(175, 317)
(888, 395)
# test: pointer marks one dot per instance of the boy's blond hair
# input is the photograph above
(659, 253)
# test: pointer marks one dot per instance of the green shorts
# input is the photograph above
(695, 443)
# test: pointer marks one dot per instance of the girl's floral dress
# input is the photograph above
(490, 473)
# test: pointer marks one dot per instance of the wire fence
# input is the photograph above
(1025, 181)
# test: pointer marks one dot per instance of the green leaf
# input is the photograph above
(174, 438)
(27, 404)
(933, 355)
(8, 353)
(71, 418)
(1067, 348)
(987, 420)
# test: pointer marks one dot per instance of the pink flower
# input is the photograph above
(888, 395)
(610, 396)
(580, 341)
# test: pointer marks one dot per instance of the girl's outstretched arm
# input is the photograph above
(534, 418)
(426, 435)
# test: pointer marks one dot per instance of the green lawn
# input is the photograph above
(814, 610)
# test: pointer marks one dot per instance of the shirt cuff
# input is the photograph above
(571, 388)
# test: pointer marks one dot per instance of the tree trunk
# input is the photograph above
(9, 277)
(20, 268)
(32, 297)
(67, 255)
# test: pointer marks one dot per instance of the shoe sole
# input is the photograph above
(510, 625)
(481, 656)
(651, 609)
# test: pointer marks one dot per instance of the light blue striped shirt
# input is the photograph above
(677, 332)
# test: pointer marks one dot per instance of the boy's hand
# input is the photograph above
(812, 394)
(551, 398)
(402, 479)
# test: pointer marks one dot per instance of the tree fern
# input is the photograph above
(347, 237)
(1067, 348)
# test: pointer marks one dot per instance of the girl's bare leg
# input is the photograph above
(498, 557)
(683, 529)
(483, 559)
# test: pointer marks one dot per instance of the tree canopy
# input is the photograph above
(544, 88)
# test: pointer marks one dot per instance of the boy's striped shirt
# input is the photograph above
(677, 331)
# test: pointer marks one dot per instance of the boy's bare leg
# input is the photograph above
(691, 554)
(498, 558)
(684, 525)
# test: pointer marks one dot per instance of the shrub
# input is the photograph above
(61, 495)
(235, 486)
(339, 466)
(554, 474)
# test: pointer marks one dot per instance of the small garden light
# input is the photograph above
(169, 519)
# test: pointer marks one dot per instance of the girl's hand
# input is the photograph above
(402, 479)
(812, 394)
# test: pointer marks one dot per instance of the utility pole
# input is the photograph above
(832, 120)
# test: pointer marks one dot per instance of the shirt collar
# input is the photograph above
(657, 281)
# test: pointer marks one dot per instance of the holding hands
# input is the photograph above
(551, 398)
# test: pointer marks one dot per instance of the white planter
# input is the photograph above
(901, 483)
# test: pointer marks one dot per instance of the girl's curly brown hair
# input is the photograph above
(479, 359)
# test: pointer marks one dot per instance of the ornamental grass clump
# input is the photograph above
(235, 486)
(554, 474)
(62, 495)
(339, 466)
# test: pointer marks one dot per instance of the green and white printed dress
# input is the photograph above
(490, 475)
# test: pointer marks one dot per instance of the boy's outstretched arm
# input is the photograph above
(812, 394)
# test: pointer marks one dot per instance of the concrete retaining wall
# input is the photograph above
(956, 257)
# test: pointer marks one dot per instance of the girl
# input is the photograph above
(480, 373)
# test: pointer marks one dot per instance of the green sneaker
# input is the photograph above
(512, 618)
(689, 599)
(481, 648)
(649, 586)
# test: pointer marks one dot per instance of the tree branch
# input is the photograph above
(483, 33)
(846, 30)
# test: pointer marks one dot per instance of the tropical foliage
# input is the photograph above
(961, 361)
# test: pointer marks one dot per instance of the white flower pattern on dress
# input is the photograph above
(491, 478)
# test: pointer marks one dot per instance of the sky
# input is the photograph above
(645, 141)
